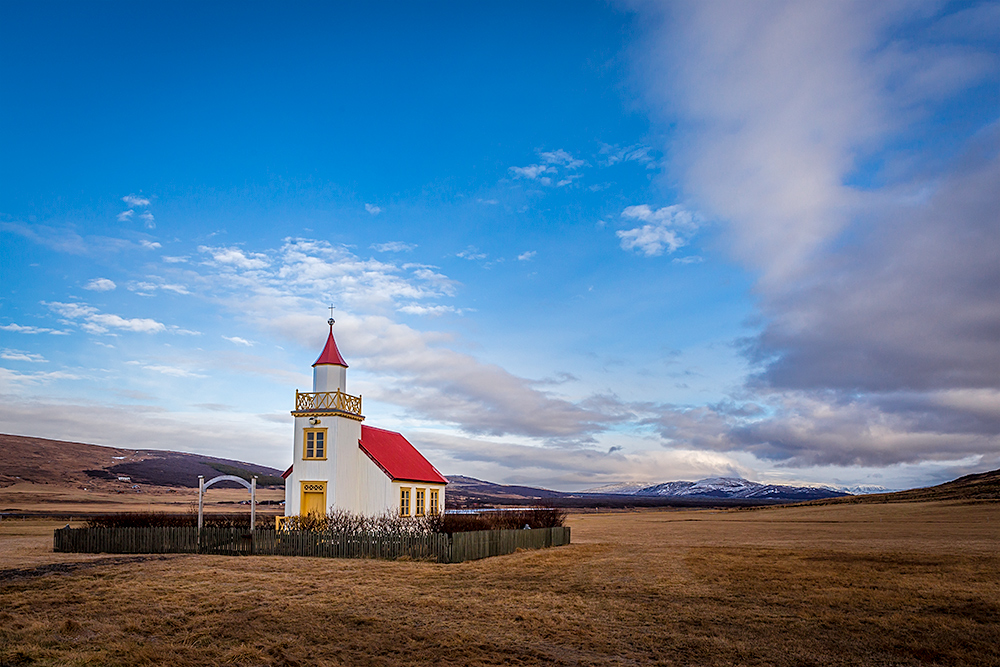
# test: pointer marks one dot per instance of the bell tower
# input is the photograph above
(327, 432)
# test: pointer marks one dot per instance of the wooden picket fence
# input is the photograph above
(265, 542)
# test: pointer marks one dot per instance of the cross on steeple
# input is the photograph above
(331, 321)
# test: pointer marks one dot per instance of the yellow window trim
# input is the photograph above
(404, 510)
(305, 444)
(311, 488)
(435, 500)
(420, 502)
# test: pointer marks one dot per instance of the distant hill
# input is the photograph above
(724, 491)
(719, 487)
(43, 461)
(980, 486)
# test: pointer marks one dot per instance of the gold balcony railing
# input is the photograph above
(324, 401)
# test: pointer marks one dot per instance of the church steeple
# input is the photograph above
(330, 370)
(331, 355)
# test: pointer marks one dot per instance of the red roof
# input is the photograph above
(397, 457)
(331, 355)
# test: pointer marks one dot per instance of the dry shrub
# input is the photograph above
(537, 517)
(161, 519)
(340, 521)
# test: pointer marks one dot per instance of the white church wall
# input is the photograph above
(374, 487)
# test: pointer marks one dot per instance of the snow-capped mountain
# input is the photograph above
(863, 489)
(718, 487)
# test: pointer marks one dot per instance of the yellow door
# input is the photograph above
(313, 497)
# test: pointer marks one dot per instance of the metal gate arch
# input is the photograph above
(251, 487)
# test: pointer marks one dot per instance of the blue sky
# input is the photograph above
(569, 243)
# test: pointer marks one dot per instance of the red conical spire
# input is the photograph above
(331, 355)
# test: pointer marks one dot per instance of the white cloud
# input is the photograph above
(147, 218)
(471, 253)
(125, 216)
(18, 355)
(553, 169)
(690, 259)
(150, 245)
(235, 257)
(635, 153)
(173, 371)
(562, 158)
(100, 285)
(239, 341)
(174, 260)
(93, 321)
(135, 201)
(14, 381)
(525, 256)
(146, 288)
(653, 238)
(18, 328)
(433, 311)
(371, 208)
(393, 246)
(532, 171)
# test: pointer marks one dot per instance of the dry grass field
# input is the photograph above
(878, 584)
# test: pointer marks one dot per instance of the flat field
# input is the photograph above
(893, 584)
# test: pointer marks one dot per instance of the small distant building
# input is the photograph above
(338, 463)
(123, 478)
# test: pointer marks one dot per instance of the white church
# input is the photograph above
(338, 463)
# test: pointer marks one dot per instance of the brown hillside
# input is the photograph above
(980, 486)
(43, 461)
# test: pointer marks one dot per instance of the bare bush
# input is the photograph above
(164, 519)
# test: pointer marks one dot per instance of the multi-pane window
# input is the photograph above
(421, 497)
(434, 501)
(404, 502)
(315, 443)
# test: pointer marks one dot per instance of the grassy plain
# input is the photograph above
(873, 584)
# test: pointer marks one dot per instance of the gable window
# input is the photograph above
(434, 502)
(404, 501)
(314, 444)
(421, 497)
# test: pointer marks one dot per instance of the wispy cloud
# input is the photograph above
(553, 169)
(150, 245)
(561, 158)
(239, 341)
(433, 311)
(18, 355)
(393, 246)
(527, 255)
(135, 201)
(146, 288)
(371, 208)
(612, 155)
(235, 258)
(90, 319)
(125, 216)
(100, 285)
(25, 329)
(471, 253)
(12, 381)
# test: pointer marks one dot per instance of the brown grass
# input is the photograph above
(901, 584)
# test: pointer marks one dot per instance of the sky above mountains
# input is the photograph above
(568, 243)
